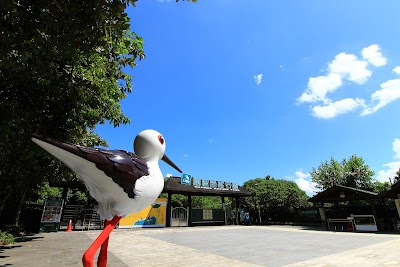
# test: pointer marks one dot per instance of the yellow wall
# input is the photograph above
(152, 216)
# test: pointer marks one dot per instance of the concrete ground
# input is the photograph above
(211, 246)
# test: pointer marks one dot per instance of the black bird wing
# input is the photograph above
(123, 167)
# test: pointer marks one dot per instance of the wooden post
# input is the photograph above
(190, 210)
(223, 209)
(169, 207)
(237, 210)
(378, 221)
(397, 203)
(336, 205)
(322, 214)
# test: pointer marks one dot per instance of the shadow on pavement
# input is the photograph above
(320, 229)
(27, 238)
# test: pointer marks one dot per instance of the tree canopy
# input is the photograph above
(273, 198)
(352, 172)
(178, 200)
(62, 71)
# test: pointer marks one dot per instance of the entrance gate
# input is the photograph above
(179, 217)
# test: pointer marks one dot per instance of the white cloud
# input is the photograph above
(302, 175)
(211, 140)
(343, 66)
(396, 148)
(303, 181)
(336, 108)
(319, 86)
(258, 78)
(389, 92)
(373, 55)
(397, 70)
(282, 67)
(186, 155)
(392, 167)
(384, 175)
(350, 67)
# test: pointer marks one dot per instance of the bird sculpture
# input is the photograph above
(120, 181)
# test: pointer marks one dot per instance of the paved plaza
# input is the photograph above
(211, 246)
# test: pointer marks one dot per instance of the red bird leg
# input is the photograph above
(87, 258)
(102, 259)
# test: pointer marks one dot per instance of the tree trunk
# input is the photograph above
(19, 205)
(4, 198)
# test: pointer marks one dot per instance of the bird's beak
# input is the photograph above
(170, 163)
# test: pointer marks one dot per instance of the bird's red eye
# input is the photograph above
(161, 139)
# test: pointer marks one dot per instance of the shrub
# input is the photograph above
(6, 238)
(15, 230)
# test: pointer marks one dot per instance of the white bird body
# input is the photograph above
(120, 181)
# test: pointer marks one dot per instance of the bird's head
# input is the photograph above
(149, 145)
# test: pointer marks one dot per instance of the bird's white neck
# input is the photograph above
(154, 168)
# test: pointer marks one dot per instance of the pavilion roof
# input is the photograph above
(173, 185)
(342, 193)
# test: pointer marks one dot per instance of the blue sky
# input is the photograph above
(245, 89)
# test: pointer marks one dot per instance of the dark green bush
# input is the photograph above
(15, 230)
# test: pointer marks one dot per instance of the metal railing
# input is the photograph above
(83, 217)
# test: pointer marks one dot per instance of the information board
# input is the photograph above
(51, 215)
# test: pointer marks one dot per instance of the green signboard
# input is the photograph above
(49, 227)
(207, 215)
